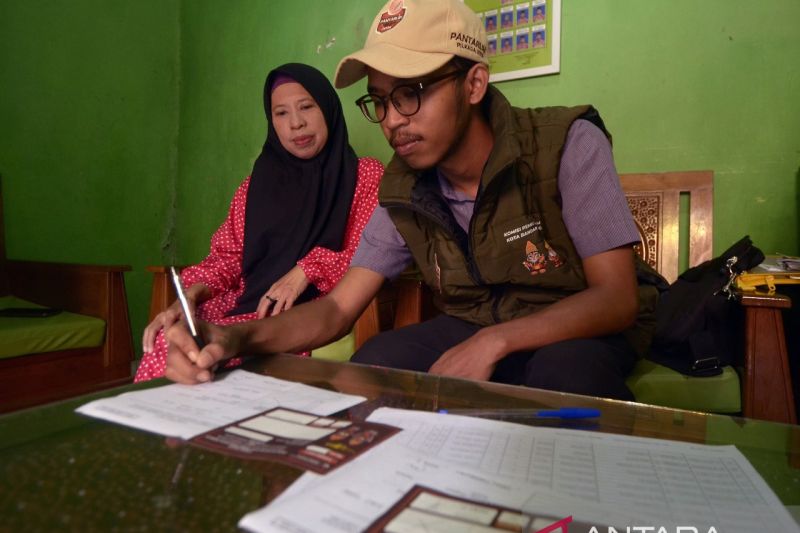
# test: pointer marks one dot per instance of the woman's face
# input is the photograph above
(298, 121)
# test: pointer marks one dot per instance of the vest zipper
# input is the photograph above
(496, 295)
(471, 266)
(494, 290)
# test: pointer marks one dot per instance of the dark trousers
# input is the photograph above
(594, 367)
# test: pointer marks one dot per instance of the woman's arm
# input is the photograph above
(221, 270)
(218, 272)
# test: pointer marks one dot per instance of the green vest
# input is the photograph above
(517, 256)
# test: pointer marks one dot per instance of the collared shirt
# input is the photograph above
(594, 207)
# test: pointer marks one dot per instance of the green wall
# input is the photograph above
(682, 85)
(88, 132)
(125, 126)
(226, 55)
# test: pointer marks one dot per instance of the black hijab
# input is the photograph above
(294, 205)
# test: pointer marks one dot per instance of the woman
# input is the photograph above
(293, 225)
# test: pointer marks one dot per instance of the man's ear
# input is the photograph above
(477, 83)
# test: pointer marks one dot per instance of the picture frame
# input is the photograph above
(524, 37)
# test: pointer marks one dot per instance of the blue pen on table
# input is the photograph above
(561, 412)
(176, 281)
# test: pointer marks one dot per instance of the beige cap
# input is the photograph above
(411, 38)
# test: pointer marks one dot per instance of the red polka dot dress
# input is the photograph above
(221, 270)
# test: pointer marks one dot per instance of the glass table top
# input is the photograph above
(64, 471)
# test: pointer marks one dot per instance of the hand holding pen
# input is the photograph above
(173, 313)
(192, 356)
(187, 311)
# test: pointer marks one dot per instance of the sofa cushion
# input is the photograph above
(63, 331)
(655, 384)
(341, 350)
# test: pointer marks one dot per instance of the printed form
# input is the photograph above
(354, 496)
(597, 478)
(186, 411)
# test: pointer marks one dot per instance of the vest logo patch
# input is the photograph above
(391, 17)
(522, 231)
(538, 259)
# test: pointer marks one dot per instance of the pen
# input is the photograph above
(561, 412)
(176, 280)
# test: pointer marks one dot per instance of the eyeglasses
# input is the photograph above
(405, 98)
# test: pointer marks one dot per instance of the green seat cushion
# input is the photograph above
(64, 331)
(341, 350)
(655, 384)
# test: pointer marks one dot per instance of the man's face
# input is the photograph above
(423, 139)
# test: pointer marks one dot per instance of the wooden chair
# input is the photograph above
(93, 290)
(654, 200)
(401, 302)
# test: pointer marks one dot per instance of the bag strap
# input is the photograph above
(705, 354)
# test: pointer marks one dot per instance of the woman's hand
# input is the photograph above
(283, 293)
(194, 295)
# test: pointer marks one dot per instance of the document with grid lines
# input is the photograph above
(598, 478)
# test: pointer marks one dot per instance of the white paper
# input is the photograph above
(186, 411)
(354, 496)
(597, 478)
(666, 481)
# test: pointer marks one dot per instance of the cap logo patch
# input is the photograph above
(468, 43)
(391, 17)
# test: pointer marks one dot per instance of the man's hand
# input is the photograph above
(282, 294)
(475, 358)
(188, 365)
(306, 326)
(608, 305)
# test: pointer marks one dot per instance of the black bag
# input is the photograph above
(696, 331)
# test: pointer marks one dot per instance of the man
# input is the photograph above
(515, 218)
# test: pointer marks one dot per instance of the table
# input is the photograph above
(64, 471)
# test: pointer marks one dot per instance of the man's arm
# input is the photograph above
(306, 326)
(608, 305)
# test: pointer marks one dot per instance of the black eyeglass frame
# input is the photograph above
(417, 88)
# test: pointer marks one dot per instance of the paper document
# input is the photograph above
(597, 478)
(779, 263)
(667, 481)
(188, 410)
(425, 509)
(311, 442)
(358, 494)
